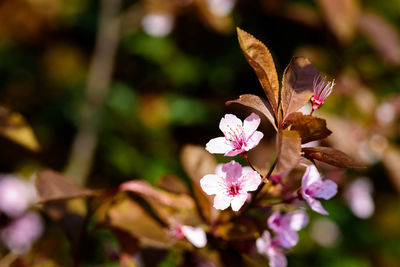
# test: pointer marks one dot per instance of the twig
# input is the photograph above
(98, 84)
(8, 259)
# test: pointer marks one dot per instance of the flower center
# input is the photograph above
(236, 137)
(234, 189)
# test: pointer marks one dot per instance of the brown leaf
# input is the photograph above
(341, 16)
(383, 36)
(260, 59)
(331, 156)
(297, 84)
(14, 127)
(239, 229)
(130, 217)
(53, 186)
(289, 148)
(310, 128)
(197, 162)
(172, 208)
(391, 160)
(173, 184)
(257, 103)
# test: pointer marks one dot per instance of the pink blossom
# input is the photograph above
(287, 225)
(230, 185)
(358, 196)
(272, 249)
(312, 186)
(194, 235)
(16, 195)
(322, 89)
(22, 232)
(238, 137)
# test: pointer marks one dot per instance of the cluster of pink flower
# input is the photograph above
(24, 227)
(232, 183)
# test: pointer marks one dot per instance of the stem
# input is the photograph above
(8, 259)
(251, 165)
(98, 84)
(312, 111)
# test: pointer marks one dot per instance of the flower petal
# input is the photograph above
(232, 169)
(195, 235)
(315, 205)
(218, 145)
(251, 124)
(211, 184)
(222, 201)
(263, 243)
(251, 180)
(310, 176)
(324, 189)
(253, 140)
(233, 153)
(296, 220)
(276, 258)
(238, 201)
(288, 238)
(229, 123)
(274, 221)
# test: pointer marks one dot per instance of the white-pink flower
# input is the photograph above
(230, 185)
(22, 232)
(313, 186)
(287, 225)
(358, 196)
(272, 249)
(16, 195)
(194, 235)
(238, 137)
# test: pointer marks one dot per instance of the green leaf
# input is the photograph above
(297, 84)
(310, 128)
(260, 59)
(53, 186)
(289, 149)
(331, 156)
(257, 103)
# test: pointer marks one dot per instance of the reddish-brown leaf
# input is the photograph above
(172, 208)
(197, 162)
(331, 156)
(173, 184)
(53, 186)
(130, 217)
(391, 160)
(383, 36)
(289, 149)
(341, 16)
(297, 84)
(257, 103)
(260, 59)
(310, 128)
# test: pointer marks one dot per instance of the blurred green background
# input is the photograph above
(156, 74)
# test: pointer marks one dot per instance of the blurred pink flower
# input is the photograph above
(16, 195)
(287, 225)
(272, 249)
(358, 196)
(322, 89)
(312, 186)
(230, 185)
(194, 235)
(239, 137)
(158, 24)
(22, 232)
